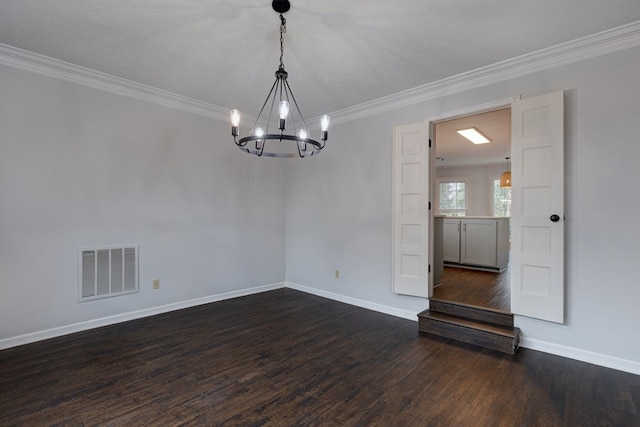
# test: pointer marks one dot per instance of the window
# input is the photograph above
(453, 198)
(501, 199)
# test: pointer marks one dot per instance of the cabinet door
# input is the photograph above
(451, 246)
(478, 242)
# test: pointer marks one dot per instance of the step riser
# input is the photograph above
(468, 335)
(488, 316)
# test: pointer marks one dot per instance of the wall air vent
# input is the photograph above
(107, 272)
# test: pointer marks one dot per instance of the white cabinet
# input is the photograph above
(451, 237)
(476, 242)
(438, 241)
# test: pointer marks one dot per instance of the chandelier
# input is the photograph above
(505, 178)
(288, 125)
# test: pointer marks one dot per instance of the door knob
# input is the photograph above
(554, 218)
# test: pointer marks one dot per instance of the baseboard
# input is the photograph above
(599, 359)
(125, 317)
(405, 314)
(532, 344)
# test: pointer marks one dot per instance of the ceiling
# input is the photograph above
(452, 149)
(338, 53)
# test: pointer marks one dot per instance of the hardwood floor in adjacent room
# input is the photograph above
(486, 289)
(285, 358)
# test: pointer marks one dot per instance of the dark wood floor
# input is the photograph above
(479, 288)
(285, 358)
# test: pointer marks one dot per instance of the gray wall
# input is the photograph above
(339, 207)
(82, 167)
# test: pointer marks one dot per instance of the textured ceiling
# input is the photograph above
(338, 53)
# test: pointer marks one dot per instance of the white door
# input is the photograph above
(411, 210)
(537, 229)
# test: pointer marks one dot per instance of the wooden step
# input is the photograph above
(496, 337)
(488, 315)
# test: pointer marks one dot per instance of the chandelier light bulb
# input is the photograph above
(235, 122)
(302, 145)
(324, 123)
(283, 108)
(324, 127)
(235, 118)
(259, 138)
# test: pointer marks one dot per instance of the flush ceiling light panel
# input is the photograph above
(474, 135)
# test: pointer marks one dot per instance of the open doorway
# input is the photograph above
(472, 210)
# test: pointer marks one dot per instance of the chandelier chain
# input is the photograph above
(283, 29)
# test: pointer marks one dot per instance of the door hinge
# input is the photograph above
(429, 142)
(429, 205)
(429, 269)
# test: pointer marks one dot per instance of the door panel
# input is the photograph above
(410, 210)
(537, 250)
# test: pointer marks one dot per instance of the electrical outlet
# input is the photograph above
(337, 274)
(156, 283)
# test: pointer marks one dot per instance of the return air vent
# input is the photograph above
(108, 271)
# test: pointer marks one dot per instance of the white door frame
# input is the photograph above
(468, 111)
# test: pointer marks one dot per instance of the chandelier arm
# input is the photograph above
(239, 143)
(273, 103)
(285, 86)
(265, 103)
(296, 104)
(300, 152)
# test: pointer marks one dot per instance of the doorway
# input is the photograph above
(467, 192)
(536, 254)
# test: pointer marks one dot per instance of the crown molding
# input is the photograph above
(605, 42)
(51, 67)
(609, 41)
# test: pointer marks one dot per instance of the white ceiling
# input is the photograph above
(338, 53)
(452, 149)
